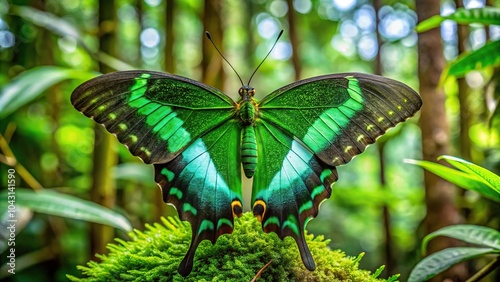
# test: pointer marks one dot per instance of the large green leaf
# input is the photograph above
(486, 16)
(479, 235)
(463, 179)
(58, 204)
(442, 260)
(486, 56)
(491, 179)
(32, 83)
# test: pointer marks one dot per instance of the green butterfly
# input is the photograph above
(198, 139)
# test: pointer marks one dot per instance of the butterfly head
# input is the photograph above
(246, 92)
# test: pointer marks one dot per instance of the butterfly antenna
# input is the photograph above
(278, 38)
(220, 53)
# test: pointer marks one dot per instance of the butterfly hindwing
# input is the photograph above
(338, 115)
(204, 184)
(156, 115)
(289, 185)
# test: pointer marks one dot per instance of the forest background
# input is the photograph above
(380, 205)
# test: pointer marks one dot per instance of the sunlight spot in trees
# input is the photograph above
(344, 5)
(302, 6)
(267, 25)
(150, 37)
(278, 8)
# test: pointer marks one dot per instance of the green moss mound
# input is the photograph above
(154, 255)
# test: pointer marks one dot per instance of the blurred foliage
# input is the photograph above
(486, 183)
(49, 47)
(54, 203)
(155, 254)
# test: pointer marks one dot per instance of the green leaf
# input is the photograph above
(442, 260)
(459, 178)
(485, 16)
(58, 204)
(479, 235)
(32, 83)
(490, 178)
(485, 56)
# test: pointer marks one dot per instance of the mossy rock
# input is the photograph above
(155, 254)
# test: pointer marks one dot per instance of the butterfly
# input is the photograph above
(290, 142)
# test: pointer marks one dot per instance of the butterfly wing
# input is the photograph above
(311, 126)
(338, 116)
(289, 185)
(156, 115)
(187, 130)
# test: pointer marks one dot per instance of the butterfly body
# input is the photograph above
(247, 112)
(290, 142)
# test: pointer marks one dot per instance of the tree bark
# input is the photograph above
(103, 188)
(389, 260)
(294, 40)
(169, 31)
(212, 71)
(463, 95)
(439, 194)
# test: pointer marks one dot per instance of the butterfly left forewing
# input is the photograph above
(156, 115)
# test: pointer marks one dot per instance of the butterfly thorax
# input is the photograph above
(247, 113)
(247, 105)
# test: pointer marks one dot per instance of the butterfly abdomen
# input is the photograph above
(248, 151)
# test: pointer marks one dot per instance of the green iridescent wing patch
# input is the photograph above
(199, 139)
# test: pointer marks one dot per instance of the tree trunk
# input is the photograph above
(389, 261)
(105, 158)
(463, 95)
(212, 71)
(439, 194)
(294, 40)
(169, 31)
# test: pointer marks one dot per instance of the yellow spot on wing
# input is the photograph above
(122, 126)
(146, 151)
(261, 215)
(380, 119)
(336, 160)
(133, 138)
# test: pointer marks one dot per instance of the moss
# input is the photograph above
(154, 255)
